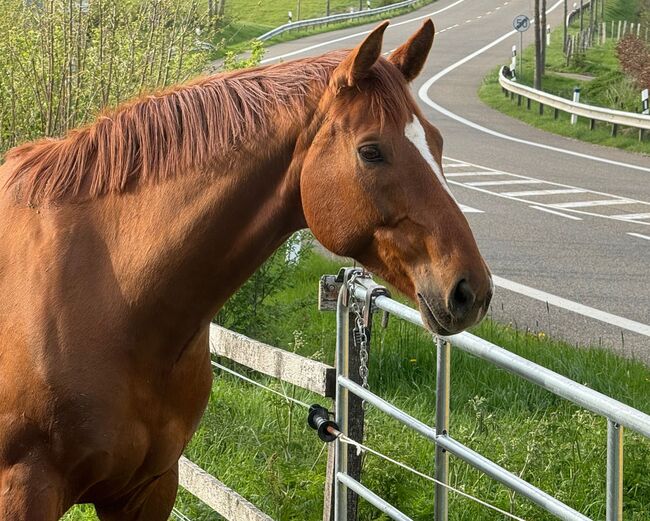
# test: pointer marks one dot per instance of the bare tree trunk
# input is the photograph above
(538, 49)
(221, 7)
(542, 35)
(591, 22)
(564, 35)
(327, 10)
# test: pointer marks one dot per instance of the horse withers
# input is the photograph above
(120, 241)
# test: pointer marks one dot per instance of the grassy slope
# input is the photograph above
(256, 443)
(247, 19)
(609, 89)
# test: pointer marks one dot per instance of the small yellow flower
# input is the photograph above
(413, 360)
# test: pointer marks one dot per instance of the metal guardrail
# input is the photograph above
(619, 415)
(591, 112)
(312, 22)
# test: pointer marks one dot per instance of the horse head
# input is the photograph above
(372, 186)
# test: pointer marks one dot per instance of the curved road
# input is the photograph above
(564, 225)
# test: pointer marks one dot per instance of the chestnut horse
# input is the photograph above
(120, 241)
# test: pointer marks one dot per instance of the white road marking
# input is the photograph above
(474, 174)
(584, 204)
(639, 235)
(496, 183)
(468, 209)
(356, 35)
(556, 213)
(581, 309)
(546, 192)
(454, 165)
(414, 132)
(424, 96)
(631, 216)
(482, 169)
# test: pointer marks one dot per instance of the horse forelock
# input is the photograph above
(186, 127)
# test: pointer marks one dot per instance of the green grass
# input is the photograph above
(609, 88)
(260, 446)
(248, 19)
(274, 13)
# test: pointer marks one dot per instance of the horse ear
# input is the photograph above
(357, 64)
(410, 56)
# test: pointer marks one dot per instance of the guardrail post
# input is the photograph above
(614, 471)
(442, 427)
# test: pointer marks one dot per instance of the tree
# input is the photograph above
(564, 25)
(542, 34)
(538, 49)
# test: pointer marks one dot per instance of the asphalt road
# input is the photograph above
(566, 265)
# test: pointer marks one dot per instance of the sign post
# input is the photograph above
(521, 24)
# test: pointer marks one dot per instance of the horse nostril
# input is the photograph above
(461, 299)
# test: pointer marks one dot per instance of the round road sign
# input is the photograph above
(521, 23)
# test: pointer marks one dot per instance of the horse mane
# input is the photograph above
(185, 127)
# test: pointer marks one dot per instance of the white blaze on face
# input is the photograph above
(415, 133)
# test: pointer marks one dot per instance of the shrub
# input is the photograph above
(62, 61)
(634, 57)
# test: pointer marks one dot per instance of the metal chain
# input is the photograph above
(359, 332)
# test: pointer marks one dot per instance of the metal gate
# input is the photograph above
(358, 285)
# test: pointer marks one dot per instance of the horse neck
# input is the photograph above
(185, 245)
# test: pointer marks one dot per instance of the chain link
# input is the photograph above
(359, 332)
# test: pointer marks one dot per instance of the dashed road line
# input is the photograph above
(548, 210)
(631, 216)
(542, 196)
(474, 174)
(468, 209)
(639, 235)
(500, 183)
(545, 192)
(585, 204)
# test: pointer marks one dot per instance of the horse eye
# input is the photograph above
(370, 153)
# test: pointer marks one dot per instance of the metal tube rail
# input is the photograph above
(443, 373)
(371, 497)
(614, 471)
(613, 116)
(537, 496)
(341, 457)
(311, 22)
(388, 408)
(581, 395)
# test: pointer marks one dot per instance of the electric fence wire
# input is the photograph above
(250, 381)
(360, 447)
(179, 515)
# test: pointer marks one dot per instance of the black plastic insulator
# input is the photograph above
(319, 420)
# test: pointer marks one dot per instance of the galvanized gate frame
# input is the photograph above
(618, 414)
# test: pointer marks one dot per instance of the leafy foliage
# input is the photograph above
(634, 57)
(62, 61)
